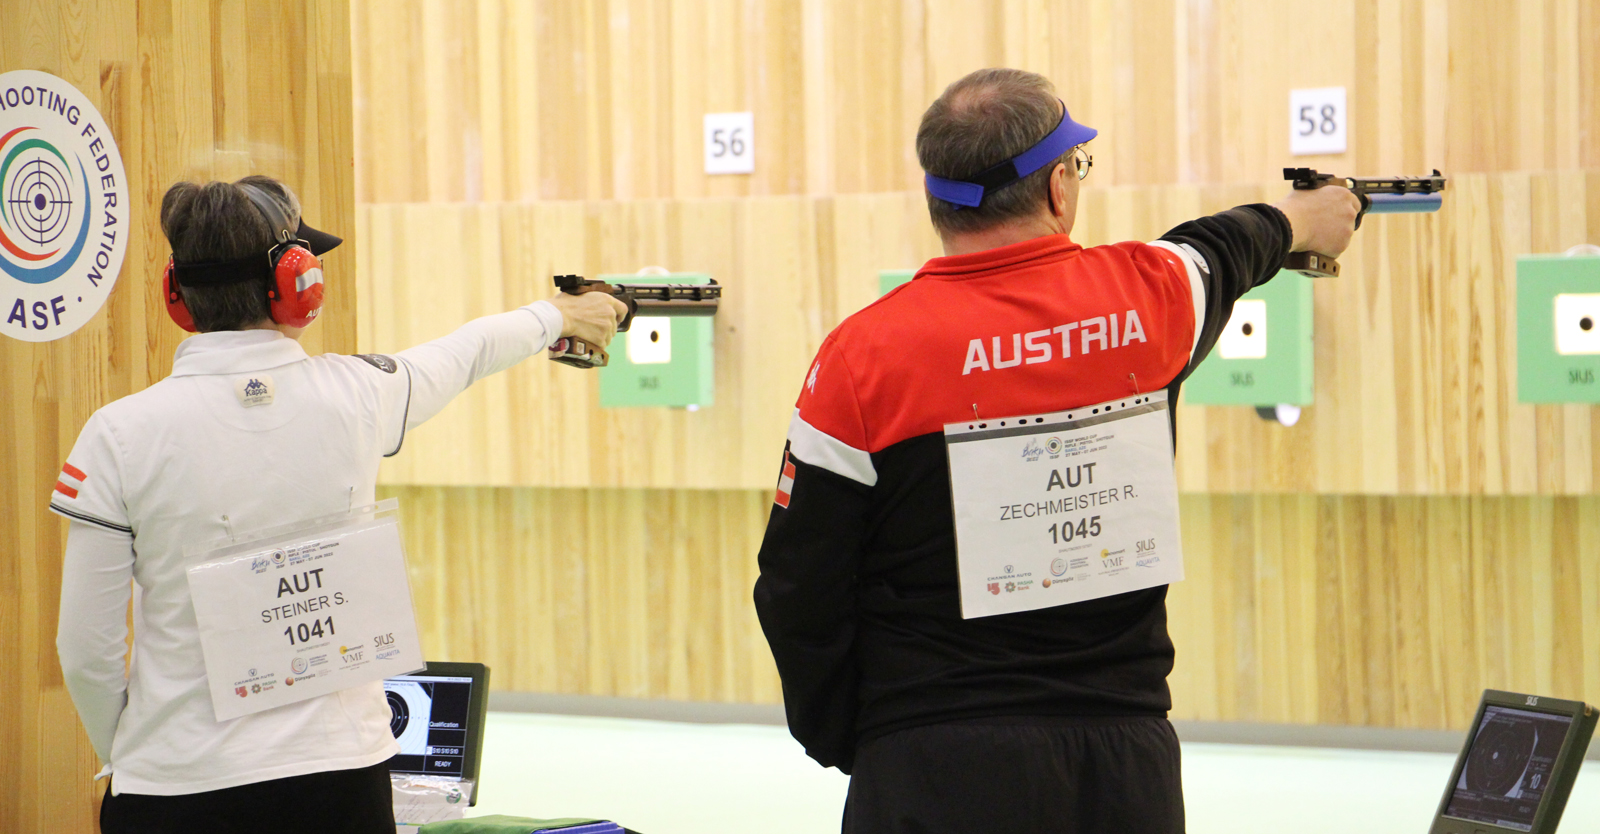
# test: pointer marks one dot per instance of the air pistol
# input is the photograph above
(1378, 195)
(643, 299)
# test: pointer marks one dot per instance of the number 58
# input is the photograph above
(1327, 124)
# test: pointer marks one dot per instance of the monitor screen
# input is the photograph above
(1508, 767)
(430, 715)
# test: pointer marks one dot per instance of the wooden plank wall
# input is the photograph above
(1381, 610)
(1416, 374)
(1373, 610)
(193, 89)
(602, 99)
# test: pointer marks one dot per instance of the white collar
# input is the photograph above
(235, 351)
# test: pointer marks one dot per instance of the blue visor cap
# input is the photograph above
(970, 192)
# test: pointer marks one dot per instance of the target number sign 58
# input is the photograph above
(1317, 121)
(63, 207)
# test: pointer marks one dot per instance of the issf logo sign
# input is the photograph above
(63, 207)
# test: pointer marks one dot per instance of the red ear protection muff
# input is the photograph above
(175, 306)
(296, 291)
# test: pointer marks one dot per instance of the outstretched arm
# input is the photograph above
(1229, 253)
(443, 368)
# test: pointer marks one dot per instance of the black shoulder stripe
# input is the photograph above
(379, 361)
(404, 418)
(89, 519)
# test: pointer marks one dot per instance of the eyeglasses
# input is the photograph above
(1083, 160)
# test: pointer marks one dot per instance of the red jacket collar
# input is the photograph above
(1035, 252)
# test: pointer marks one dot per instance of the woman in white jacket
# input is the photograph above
(202, 454)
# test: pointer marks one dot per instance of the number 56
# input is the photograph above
(733, 144)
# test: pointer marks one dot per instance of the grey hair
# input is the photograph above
(218, 221)
(981, 120)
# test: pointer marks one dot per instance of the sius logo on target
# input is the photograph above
(63, 207)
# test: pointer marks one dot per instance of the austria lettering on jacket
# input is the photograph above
(1031, 348)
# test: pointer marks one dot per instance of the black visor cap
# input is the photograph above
(320, 241)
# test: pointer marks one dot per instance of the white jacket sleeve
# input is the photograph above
(92, 634)
(444, 367)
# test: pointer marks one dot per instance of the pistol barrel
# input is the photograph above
(673, 299)
(1378, 195)
(1398, 185)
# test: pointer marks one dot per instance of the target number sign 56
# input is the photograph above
(63, 207)
(730, 143)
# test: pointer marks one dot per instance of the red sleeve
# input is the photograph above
(827, 430)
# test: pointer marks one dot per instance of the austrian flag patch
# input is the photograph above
(785, 482)
(72, 479)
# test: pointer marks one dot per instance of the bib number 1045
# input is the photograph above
(1066, 531)
(306, 632)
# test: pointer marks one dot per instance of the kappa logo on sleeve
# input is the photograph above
(71, 481)
(785, 482)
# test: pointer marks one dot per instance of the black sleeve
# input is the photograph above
(806, 600)
(1239, 249)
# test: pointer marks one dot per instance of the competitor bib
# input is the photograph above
(305, 611)
(1052, 509)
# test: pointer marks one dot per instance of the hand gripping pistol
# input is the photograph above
(1378, 195)
(642, 299)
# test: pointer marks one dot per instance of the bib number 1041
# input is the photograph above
(1066, 531)
(306, 632)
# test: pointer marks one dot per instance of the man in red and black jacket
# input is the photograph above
(1051, 719)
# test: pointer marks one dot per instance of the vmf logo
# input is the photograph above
(63, 207)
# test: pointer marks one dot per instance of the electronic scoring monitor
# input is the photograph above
(437, 716)
(1520, 760)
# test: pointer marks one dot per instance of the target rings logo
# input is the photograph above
(63, 208)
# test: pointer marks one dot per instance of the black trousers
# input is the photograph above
(1025, 774)
(354, 801)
